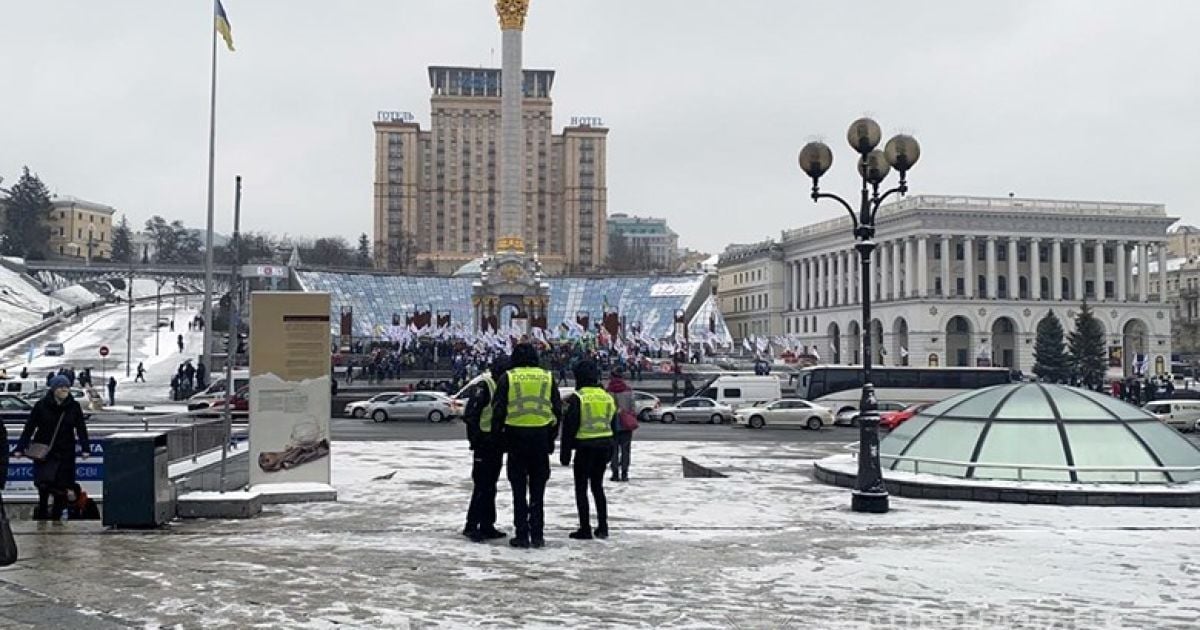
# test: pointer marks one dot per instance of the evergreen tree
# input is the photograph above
(122, 242)
(363, 256)
(1086, 348)
(26, 209)
(1051, 363)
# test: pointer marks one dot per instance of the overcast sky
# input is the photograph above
(708, 101)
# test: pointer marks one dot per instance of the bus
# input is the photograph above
(839, 387)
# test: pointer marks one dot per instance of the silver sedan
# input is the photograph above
(785, 412)
(695, 410)
(432, 406)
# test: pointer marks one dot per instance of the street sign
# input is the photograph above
(103, 351)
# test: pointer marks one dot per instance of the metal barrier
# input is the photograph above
(1136, 471)
(194, 433)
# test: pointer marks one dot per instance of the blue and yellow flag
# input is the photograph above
(222, 25)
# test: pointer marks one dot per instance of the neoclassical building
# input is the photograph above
(964, 280)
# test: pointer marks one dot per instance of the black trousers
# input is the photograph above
(528, 472)
(622, 445)
(589, 467)
(485, 472)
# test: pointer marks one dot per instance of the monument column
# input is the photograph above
(1056, 269)
(512, 133)
(1121, 256)
(1035, 268)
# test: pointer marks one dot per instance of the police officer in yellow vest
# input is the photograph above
(588, 431)
(526, 411)
(487, 456)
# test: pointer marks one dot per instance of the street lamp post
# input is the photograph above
(900, 153)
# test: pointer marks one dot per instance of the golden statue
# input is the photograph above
(513, 244)
(512, 13)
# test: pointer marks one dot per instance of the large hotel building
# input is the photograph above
(437, 194)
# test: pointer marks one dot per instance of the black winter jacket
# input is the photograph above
(43, 419)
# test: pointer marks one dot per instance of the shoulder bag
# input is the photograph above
(38, 451)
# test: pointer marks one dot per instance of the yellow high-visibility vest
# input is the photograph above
(529, 402)
(596, 410)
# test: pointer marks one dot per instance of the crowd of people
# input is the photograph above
(1141, 390)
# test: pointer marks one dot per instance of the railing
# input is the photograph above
(1137, 471)
(196, 433)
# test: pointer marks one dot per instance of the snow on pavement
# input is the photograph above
(766, 547)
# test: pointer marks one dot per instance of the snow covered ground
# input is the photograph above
(765, 548)
(21, 303)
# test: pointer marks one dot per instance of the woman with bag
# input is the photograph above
(49, 440)
(626, 424)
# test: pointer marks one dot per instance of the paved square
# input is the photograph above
(765, 548)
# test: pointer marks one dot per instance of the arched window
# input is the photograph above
(1023, 287)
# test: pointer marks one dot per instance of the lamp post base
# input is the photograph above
(869, 502)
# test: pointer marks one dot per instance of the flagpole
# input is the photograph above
(208, 242)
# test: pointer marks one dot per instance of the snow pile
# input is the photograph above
(76, 295)
(21, 303)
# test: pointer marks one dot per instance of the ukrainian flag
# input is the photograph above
(222, 25)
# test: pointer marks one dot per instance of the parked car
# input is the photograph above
(889, 420)
(240, 404)
(786, 411)
(645, 404)
(1180, 414)
(216, 390)
(54, 349)
(22, 386)
(848, 416)
(433, 406)
(358, 408)
(14, 408)
(694, 410)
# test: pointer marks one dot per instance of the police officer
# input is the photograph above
(488, 455)
(588, 430)
(526, 411)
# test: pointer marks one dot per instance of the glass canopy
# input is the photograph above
(988, 433)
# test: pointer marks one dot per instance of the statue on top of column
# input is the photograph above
(512, 13)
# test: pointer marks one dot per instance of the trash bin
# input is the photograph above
(137, 491)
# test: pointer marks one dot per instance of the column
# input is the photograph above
(1014, 271)
(1035, 268)
(810, 284)
(922, 266)
(855, 277)
(1056, 269)
(991, 267)
(817, 280)
(1099, 257)
(1143, 275)
(910, 271)
(896, 271)
(1077, 262)
(825, 269)
(1161, 246)
(947, 254)
(1121, 254)
(875, 274)
(884, 272)
(847, 262)
(969, 266)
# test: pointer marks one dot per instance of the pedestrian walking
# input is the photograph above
(112, 391)
(527, 410)
(201, 375)
(172, 325)
(623, 439)
(141, 374)
(24, 372)
(50, 435)
(179, 340)
(487, 456)
(588, 426)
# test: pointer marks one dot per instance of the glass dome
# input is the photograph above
(1031, 424)
(473, 269)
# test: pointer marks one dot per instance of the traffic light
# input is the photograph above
(242, 342)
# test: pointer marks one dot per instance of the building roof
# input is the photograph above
(67, 200)
(1030, 424)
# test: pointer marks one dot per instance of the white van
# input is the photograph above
(1180, 414)
(22, 386)
(738, 391)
